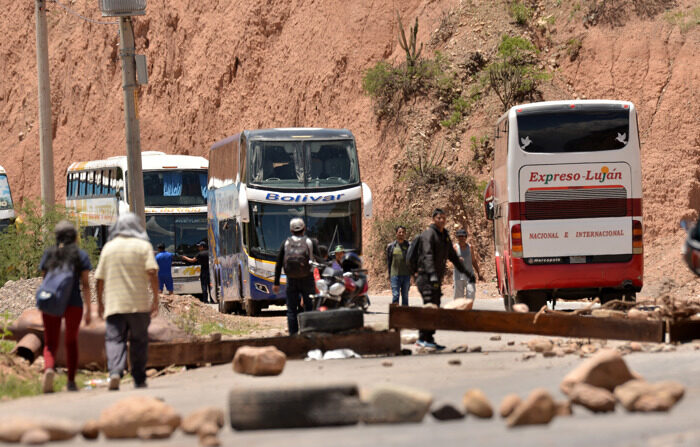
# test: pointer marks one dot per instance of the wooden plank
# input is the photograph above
(401, 317)
(222, 351)
(683, 331)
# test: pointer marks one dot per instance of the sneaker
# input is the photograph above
(114, 380)
(71, 386)
(140, 385)
(47, 380)
(438, 346)
(426, 344)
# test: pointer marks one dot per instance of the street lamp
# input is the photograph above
(124, 9)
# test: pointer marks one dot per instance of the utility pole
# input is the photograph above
(45, 128)
(133, 138)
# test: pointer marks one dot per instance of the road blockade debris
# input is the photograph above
(639, 395)
(508, 405)
(596, 399)
(390, 404)
(460, 304)
(91, 429)
(259, 361)
(124, 419)
(538, 408)
(446, 412)
(540, 345)
(606, 369)
(476, 403)
(12, 429)
(192, 423)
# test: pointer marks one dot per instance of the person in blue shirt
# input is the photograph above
(165, 274)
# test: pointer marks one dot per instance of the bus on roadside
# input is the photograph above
(7, 211)
(258, 181)
(566, 201)
(175, 198)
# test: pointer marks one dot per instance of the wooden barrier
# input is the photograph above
(222, 351)
(402, 317)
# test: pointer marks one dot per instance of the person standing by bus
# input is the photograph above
(202, 258)
(66, 251)
(399, 273)
(435, 249)
(463, 287)
(165, 273)
(295, 255)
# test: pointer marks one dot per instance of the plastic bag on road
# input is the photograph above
(333, 354)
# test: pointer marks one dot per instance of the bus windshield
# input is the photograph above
(331, 224)
(573, 131)
(179, 233)
(5, 197)
(175, 188)
(310, 164)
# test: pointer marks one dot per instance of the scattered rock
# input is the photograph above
(194, 421)
(638, 395)
(475, 349)
(263, 361)
(446, 412)
(208, 429)
(12, 429)
(396, 404)
(636, 314)
(588, 349)
(635, 346)
(495, 338)
(91, 429)
(387, 363)
(510, 343)
(460, 304)
(521, 308)
(607, 313)
(538, 408)
(123, 419)
(508, 405)
(657, 348)
(150, 372)
(606, 370)
(569, 349)
(563, 408)
(454, 362)
(476, 403)
(540, 344)
(155, 432)
(550, 354)
(408, 339)
(528, 356)
(598, 400)
(35, 436)
(430, 306)
(461, 348)
(669, 348)
(209, 441)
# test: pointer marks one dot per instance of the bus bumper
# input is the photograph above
(609, 275)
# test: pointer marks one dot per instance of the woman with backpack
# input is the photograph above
(65, 253)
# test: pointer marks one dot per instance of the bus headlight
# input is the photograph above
(321, 286)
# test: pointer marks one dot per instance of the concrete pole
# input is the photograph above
(45, 127)
(133, 139)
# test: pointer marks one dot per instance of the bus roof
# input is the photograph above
(2, 170)
(293, 133)
(554, 105)
(150, 160)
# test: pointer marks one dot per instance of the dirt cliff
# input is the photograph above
(218, 67)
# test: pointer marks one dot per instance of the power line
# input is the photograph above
(87, 19)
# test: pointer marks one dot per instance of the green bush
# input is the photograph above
(482, 151)
(520, 12)
(23, 244)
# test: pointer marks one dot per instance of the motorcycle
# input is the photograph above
(341, 290)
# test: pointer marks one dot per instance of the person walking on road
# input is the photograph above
(463, 287)
(165, 273)
(435, 249)
(202, 258)
(295, 255)
(125, 270)
(66, 252)
(399, 273)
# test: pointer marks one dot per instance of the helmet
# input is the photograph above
(691, 250)
(297, 224)
(351, 261)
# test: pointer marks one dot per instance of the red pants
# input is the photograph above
(52, 334)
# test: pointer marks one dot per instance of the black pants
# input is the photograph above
(429, 294)
(298, 289)
(206, 291)
(132, 327)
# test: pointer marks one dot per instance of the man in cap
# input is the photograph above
(337, 263)
(295, 255)
(202, 258)
(125, 270)
(462, 283)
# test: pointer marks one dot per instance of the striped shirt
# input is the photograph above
(123, 267)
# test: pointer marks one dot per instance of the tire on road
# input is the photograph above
(335, 320)
(313, 406)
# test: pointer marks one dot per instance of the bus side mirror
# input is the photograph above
(366, 200)
(243, 204)
(489, 201)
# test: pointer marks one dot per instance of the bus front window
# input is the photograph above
(270, 227)
(175, 188)
(5, 197)
(179, 233)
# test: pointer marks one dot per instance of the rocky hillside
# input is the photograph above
(218, 67)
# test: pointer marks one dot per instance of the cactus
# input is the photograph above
(409, 46)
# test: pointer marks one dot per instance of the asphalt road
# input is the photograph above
(498, 370)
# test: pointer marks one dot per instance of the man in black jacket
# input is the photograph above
(435, 249)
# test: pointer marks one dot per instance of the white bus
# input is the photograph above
(175, 198)
(566, 201)
(258, 181)
(7, 211)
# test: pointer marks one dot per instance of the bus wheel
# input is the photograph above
(252, 308)
(534, 300)
(227, 307)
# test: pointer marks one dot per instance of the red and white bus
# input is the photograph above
(566, 201)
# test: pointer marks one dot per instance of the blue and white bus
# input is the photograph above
(258, 181)
(7, 211)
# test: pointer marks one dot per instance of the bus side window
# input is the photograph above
(119, 184)
(242, 149)
(82, 184)
(98, 183)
